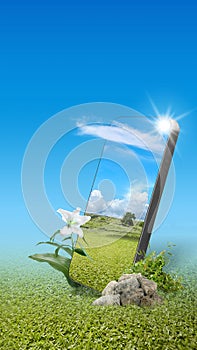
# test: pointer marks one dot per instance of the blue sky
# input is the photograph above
(57, 54)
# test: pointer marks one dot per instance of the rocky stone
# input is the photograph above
(149, 287)
(151, 301)
(107, 300)
(124, 277)
(130, 289)
(127, 285)
(131, 297)
(110, 289)
(129, 275)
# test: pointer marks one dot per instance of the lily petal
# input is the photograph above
(81, 220)
(66, 215)
(74, 221)
(77, 211)
(66, 231)
(78, 231)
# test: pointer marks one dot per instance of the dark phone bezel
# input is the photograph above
(157, 192)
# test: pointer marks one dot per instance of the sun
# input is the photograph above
(164, 124)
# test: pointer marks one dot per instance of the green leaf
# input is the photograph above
(59, 262)
(57, 251)
(53, 236)
(59, 246)
(67, 237)
(85, 241)
(80, 251)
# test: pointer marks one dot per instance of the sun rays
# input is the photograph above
(162, 119)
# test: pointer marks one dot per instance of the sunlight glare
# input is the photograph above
(164, 124)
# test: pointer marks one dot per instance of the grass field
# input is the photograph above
(112, 247)
(38, 311)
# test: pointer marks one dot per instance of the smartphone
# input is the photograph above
(124, 196)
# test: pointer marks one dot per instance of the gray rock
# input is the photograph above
(129, 275)
(130, 289)
(131, 297)
(125, 277)
(151, 301)
(149, 287)
(110, 289)
(107, 300)
(128, 284)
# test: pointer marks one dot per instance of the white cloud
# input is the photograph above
(96, 203)
(121, 133)
(138, 203)
(135, 201)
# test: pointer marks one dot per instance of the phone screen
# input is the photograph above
(121, 183)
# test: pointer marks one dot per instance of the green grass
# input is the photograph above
(109, 263)
(112, 247)
(38, 311)
(102, 230)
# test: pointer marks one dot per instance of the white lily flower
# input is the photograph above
(73, 222)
